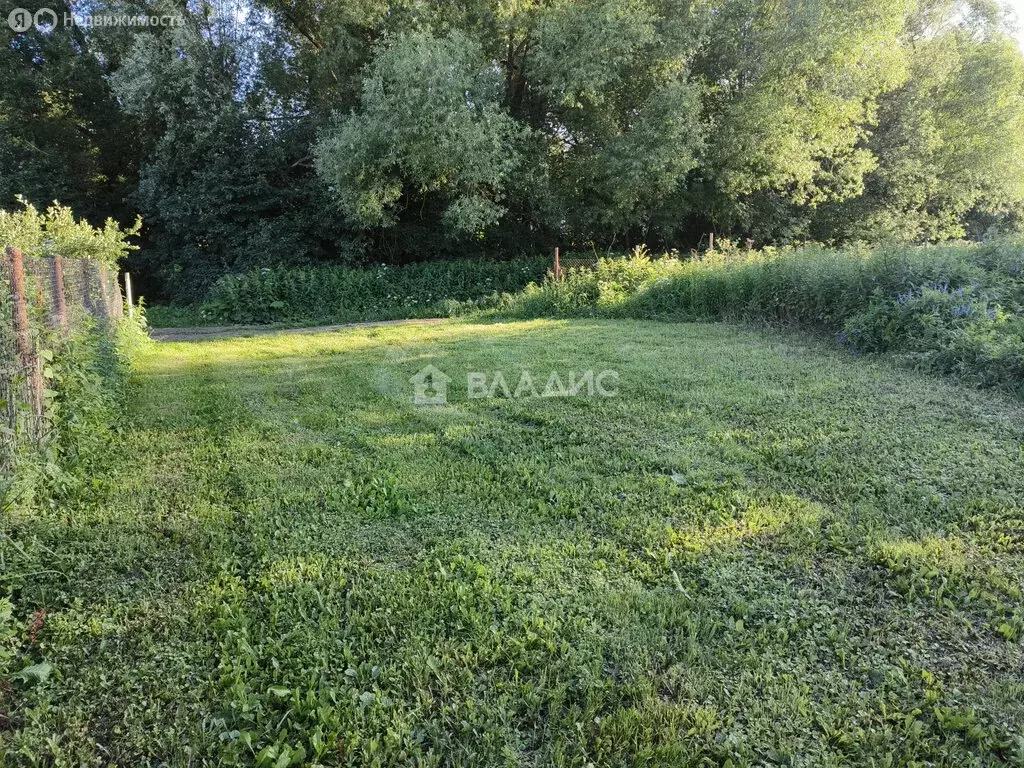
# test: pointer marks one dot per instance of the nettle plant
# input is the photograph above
(340, 293)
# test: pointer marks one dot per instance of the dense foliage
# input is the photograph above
(762, 551)
(84, 370)
(57, 231)
(342, 294)
(279, 132)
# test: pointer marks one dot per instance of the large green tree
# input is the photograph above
(430, 123)
(793, 92)
(501, 114)
(226, 181)
(949, 144)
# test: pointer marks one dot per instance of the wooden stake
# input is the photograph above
(711, 241)
(128, 291)
(104, 278)
(558, 266)
(23, 335)
(60, 306)
(86, 293)
(116, 295)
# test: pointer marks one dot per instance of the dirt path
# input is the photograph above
(228, 331)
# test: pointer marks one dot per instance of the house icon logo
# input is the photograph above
(430, 386)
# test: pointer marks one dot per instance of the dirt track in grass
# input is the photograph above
(202, 333)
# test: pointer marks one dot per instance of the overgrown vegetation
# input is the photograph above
(761, 551)
(344, 294)
(955, 308)
(84, 369)
(57, 231)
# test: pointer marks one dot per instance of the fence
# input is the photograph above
(43, 301)
(573, 260)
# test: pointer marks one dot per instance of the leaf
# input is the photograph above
(280, 691)
(37, 673)
(268, 753)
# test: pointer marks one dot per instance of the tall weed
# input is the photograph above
(344, 294)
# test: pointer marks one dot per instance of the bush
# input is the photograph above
(344, 294)
(938, 328)
(58, 232)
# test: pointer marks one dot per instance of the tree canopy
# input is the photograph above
(290, 131)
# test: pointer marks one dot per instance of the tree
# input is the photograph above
(585, 138)
(793, 90)
(62, 136)
(620, 115)
(950, 145)
(430, 124)
(226, 182)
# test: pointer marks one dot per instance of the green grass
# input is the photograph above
(763, 551)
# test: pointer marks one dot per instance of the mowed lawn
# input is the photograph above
(761, 551)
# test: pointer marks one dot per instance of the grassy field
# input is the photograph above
(760, 551)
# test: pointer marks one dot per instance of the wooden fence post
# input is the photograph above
(103, 278)
(8, 367)
(23, 336)
(128, 292)
(711, 241)
(60, 305)
(118, 298)
(86, 293)
(558, 266)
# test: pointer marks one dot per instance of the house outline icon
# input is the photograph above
(430, 386)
